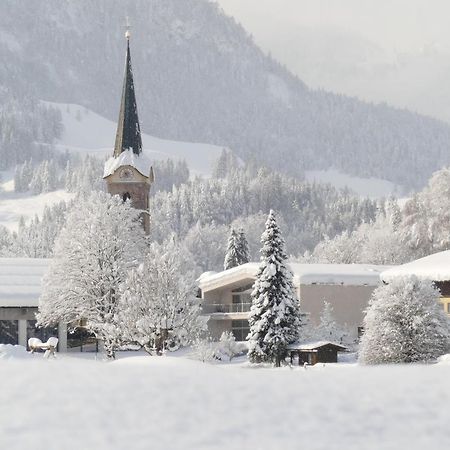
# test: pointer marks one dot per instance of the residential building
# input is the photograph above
(226, 295)
(20, 288)
(434, 268)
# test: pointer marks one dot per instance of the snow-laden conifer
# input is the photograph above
(237, 249)
(243, 253)
(404, 323)
(231, 256)
(329, 329)
(274, 316)
(101, 241)
(159, 308)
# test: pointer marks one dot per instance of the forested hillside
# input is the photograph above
(199, 77)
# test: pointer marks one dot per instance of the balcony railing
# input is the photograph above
(226, 308)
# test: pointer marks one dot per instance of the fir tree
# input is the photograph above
(274, 316)
(232, 255)
(404, 323)
(329, 329)
(243, 253)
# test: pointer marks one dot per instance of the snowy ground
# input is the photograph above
(13, 205)
(142, 402)
(365, 187)
(86, 132)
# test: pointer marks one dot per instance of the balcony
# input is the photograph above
(230, 308)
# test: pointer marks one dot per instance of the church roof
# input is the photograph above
(128, 136)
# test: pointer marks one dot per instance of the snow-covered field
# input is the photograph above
(14, 205)
(365, 187)
(86, 132)
(143, 402)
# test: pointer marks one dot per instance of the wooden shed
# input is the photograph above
(314, 352)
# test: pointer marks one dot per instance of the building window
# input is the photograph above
(240, 329)
(9, 332)
(126, 196)
(41, 333)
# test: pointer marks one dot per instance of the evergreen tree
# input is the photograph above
(404, 323)
(275, 315)
(232, 255)
(243, 253)
(329, 329)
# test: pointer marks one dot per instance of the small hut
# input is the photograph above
(315, 352)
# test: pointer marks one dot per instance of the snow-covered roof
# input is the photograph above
(127, 158)
(346, 274)
(313, 345)
(21, 281)
(304, 274)
(434, 267)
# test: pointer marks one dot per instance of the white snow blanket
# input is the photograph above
(435, 267)
(9, 351)
(169, 402)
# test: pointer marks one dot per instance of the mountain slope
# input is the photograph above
(86, 132)
(199, 77)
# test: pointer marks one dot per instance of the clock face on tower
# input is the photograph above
(126, 174)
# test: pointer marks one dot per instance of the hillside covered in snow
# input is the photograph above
(199, 78)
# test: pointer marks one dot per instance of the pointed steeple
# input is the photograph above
(128, 134)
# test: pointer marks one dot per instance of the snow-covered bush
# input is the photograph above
(404, 323)
(203, 349)
(158, 307)
(275, 318)
(227, 347)
(102, 239)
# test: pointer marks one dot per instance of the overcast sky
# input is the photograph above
(401, 24)
(382, 50)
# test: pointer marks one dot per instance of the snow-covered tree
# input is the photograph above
(237, 249)
(231, 256)
(242, 247)
(227, 346)
(275, 314)
(404, 323)
(101, 241)
(158, 307)
(329, 329)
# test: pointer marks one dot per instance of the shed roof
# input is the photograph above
(435, 267)
(21, 281)
(315, 345)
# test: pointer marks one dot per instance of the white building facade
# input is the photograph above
(20, 289)
(226, 296)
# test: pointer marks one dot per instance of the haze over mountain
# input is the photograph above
(200, 78)
(397, 51)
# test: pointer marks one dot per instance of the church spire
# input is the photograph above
(128, 136)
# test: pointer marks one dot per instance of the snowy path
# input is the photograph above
(142, 402)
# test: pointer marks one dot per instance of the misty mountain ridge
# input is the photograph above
(200, 78)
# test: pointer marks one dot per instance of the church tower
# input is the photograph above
(128, 172)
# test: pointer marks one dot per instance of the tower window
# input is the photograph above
(126, 196)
